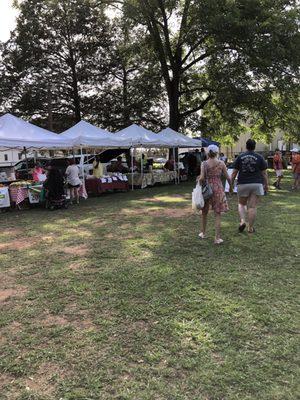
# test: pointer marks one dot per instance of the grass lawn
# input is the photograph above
(119, 299)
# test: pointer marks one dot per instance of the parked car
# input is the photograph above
(59, 162)
(21, 167)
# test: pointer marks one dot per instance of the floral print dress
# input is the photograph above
(218, 200)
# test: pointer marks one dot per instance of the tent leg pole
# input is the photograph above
(131, 152)
(178, 166)
(82, 168)
(175, 166)
(26, 160)
(142, 171)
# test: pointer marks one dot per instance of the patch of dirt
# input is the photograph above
(43, 381)
(18, 291)
(75, 266)
(15, 326)
(5, 380)
(83, 324)
(49, 320)
(13, 231)
(19, 244)
(79, 250)
(171, 213)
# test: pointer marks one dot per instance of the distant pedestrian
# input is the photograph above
(278, 168)
(295, 159)
(223, 158)
(252, 183)
(203, 156)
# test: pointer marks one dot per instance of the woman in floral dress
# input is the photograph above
(211, 171)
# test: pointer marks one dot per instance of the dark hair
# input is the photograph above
(97, 159)
(202, 149)
(71, 161)
(277, 150)
(54, 183)
(250, 144)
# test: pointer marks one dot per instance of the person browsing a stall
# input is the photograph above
(170, 164)
(98, 170)
(37, 172)
(73, 180)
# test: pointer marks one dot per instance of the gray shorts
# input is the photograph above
(246, 189)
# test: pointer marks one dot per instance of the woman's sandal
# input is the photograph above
(219, 241)
(201, 235)
(251, 230)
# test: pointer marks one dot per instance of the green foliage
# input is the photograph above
(155, 61)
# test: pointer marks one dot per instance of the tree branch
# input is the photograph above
(200, 107)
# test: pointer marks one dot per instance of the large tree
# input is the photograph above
(133, 91)
(56, 53)
(222, 55)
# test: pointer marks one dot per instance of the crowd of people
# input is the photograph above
(250, 169)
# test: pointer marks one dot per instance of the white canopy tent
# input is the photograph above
(19, 134)
(84, 134)
(141, 137)
(177, 139)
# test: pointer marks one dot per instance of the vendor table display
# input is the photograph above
(105, 184)
(4, 197)
(151, 178)
(20, 191)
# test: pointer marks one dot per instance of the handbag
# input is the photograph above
(206, 188)
(197, 198)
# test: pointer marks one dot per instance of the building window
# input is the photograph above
(20, 156)
(5, 157)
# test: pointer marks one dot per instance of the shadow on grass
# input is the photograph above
(169, 316)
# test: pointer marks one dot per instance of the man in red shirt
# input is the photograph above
(278, 168)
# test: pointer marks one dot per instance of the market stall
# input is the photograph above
(16, 133)
(111, 182)
(32, 193)
(178, 140)
(150, 178)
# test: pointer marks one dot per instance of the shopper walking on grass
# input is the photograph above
(296, 168)
(278, 168)
(211, 172)
(252, 183)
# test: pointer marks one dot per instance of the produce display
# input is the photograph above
(21, 184)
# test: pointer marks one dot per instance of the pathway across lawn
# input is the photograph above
(119, 299)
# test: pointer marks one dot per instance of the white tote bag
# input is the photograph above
(197, 198)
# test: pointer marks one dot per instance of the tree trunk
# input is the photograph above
(76, 98)
(126, 116)
(173, 97)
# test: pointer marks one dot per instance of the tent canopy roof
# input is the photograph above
(207, 142)
(139, 136)
(86, 134)
(17, 133)
(177, 139)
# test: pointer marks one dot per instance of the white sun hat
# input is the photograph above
(213, 148)
(295, 150)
